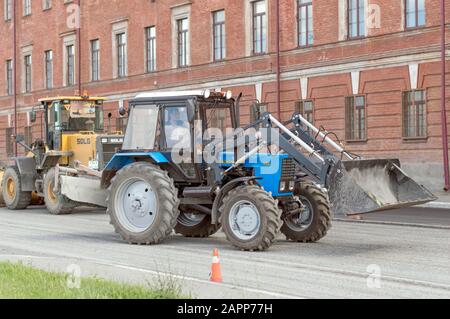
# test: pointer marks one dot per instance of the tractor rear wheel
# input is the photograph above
(250, 217)
(13, 195)
(314, 222)
(142, 203)
(195, 224)
(56, 203)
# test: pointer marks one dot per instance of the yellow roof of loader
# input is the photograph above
(72, 98)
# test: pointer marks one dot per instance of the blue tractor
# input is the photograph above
(187, 165)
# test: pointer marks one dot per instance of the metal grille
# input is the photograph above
(287, 169)
(109, 150)
(107, 147)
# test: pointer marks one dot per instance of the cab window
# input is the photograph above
(176, 127)
(142, 128)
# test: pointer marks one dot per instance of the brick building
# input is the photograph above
(368, 70)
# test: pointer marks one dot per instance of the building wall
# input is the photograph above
(383, 60)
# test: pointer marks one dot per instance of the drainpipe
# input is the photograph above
(15, 73)
(79, 47)
(277, 3)
(443, 101)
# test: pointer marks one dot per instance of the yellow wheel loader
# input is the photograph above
(74, 141)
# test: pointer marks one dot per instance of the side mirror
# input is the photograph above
(33, 116)
(20, 138)
(122, 111)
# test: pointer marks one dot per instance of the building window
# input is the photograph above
(47, 4)
(28, 135)
(9, 77)
(95, 60)
(70, 53)
(306, 109)
(183, 29)
(26, 7)
(8, 9)
(150, 42)
(259, 27)
(27, 66)
(305, 23)
(415, 13)
(356, 18)
(9, 141)
(219, 35)
(257, 110)
(48, 69)
(414, 114)
(355, 118)
(121, 55)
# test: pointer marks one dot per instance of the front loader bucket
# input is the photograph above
(364, 186)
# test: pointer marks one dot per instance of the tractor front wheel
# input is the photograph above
(142, 203)
(13, 195)
(195, 224)
(314, 221)
(56, 203)
(250, 218)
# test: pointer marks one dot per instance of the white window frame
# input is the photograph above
(28, 50)
(118, 28)
(178, 13)
(224, 48)
(69, 40)
(154, 49)
(91, 62)
(9, 81)
(46, 4)
(343, 21)
(248, 18)
(45, 69)
(26, 7)
(8, 9)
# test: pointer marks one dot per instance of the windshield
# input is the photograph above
(76, 116)
(142, 128)
(218, 117)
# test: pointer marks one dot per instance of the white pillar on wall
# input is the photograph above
(355, 82)
(413, 75)
(258, 90)
(304, 87)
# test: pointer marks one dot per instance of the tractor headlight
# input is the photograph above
(207, 94)
(291, 185)
(282, 186)
(228, 95)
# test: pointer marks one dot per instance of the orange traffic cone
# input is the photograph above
(216, 274)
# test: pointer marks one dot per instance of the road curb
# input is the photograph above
(437, 205)
(374, 222)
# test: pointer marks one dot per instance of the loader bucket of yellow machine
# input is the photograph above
(365, 186)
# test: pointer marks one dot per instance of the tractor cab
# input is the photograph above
(171, 126)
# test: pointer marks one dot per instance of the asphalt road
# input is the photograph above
(355, 260)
